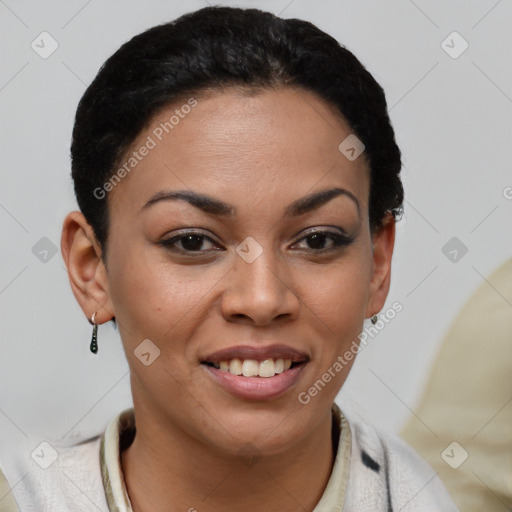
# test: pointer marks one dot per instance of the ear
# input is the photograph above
(383, 242)
(86, 271)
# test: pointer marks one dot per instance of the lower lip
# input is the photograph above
(257, 388)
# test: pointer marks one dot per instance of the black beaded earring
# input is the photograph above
(94, 340)
(375, 319)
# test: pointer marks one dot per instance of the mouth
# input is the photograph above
(256, 373)
(253, 368)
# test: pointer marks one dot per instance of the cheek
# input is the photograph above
(337, 309)
(158, 300)
(153, 302)
(339, 294)
(336, 305)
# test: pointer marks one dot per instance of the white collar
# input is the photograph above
(121, 430)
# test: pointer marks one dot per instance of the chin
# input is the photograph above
(260, 432)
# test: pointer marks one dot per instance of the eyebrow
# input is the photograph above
(214, 206)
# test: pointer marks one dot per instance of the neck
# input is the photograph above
(167, 470)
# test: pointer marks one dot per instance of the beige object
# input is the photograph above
(7, 502)
(468, 402)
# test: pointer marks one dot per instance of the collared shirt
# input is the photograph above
(121, 432)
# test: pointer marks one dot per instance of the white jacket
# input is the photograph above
(372, 472)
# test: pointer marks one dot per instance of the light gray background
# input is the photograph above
(452, 119)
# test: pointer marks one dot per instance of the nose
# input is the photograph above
(259, 292)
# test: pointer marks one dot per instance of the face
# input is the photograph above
(274, 268)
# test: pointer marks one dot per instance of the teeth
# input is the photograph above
(266, 368)
(250, 368)
(235, 367)
(253, 368)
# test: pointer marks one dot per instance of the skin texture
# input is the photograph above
(258, 152)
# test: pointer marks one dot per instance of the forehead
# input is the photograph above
(273, 142)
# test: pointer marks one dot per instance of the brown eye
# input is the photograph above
(317, 240)
(190, 242)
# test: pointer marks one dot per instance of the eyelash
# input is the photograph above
(338, 241)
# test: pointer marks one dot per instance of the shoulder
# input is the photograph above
(54, 477)
(386, 470)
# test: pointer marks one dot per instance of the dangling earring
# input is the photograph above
(94, 340)
(375, 319)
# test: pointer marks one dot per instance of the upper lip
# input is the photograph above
(257, 353)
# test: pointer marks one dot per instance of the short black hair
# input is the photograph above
(212, 49)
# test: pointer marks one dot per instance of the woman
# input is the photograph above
(238, 183)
